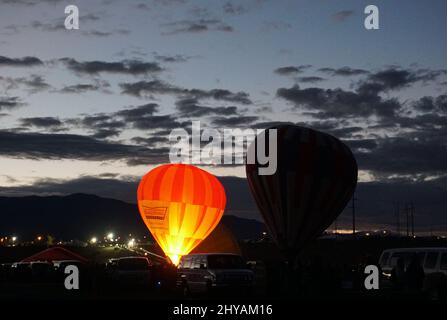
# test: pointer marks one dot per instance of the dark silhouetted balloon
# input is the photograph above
(315, 178)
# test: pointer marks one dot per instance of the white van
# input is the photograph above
(433, 260)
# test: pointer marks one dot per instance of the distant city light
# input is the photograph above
(110, 236)
(39, 238)
(131, 243)
(367, 234)
(93, 240)
(14, 239)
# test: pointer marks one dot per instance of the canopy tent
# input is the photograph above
(55, 254)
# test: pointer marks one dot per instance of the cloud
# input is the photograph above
(190, 107)
(100, 33)
(34, 84)
(41, 122)
(142, 88)
(233, 9)
(47, 26)
(157, 138)
(234, 121)
(28, 2)
(344, 71)
(106, 133)
(77, 147)
(342, 16)
(101, 125)
(107, 186)
(291, 70)
(59, 25)
(79, 88)
(168, 3)
(196, 26)
(171, 58)
(132, 67)
(430, 104)
(311, 79)
(8, 103)
(132, 114)
(142, 117)
(20, 62)
(338, 103)
(395, 78)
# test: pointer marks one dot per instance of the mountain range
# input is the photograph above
(81, 216)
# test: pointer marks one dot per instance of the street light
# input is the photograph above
(93, 240)
(131, 243)
(110, 236)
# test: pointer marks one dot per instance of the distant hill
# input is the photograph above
(80, 216)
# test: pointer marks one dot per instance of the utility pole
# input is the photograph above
(353, 214)
(407, 218)
(412, 219)
(397, 213)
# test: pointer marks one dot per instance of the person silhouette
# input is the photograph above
(415, 274)
(398, 275)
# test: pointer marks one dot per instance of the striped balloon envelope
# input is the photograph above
(315, 178)
(180, 204)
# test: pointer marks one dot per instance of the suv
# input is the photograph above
(206, 272)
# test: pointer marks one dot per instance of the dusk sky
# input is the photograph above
(90, 110)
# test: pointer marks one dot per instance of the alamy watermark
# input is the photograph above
(225, 146)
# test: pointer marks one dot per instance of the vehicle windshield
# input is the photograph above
(225, 262)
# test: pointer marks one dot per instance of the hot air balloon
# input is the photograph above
(180, 204)
(315, 178)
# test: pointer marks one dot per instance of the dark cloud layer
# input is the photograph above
(20, 62)
(41, 122)
(339, 103)
(7, 103)
(75, 147)
(132, 67)
(344, 71)
(291, 70)
(154, 87)
(191, 108)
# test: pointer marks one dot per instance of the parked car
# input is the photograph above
(5, 271)
(135, 271)
(432, 260)
(205, 273)
(31, 271)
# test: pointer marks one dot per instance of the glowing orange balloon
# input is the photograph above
(180, 204)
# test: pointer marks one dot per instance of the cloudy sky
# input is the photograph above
(90, 110)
